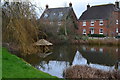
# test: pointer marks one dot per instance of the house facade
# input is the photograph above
(60, 20)
(100, 19)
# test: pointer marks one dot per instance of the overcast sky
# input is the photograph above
(79, 6)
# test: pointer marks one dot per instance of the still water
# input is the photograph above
(64, 56)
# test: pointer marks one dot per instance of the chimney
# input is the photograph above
(88, 6)
(70, 4)
(117, 4)
(47, 6)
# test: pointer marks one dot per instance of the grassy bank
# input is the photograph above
(14, 67)
(0, 63)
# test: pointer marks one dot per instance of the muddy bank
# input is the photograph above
(78, 71)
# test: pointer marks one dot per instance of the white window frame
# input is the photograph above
(116, 21)
(92, 23)
(84, 23)
(101, 23)
(101, 32)
(60, 14)
(117, 30)
(84, 31)
(92, 30)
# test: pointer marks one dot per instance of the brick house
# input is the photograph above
(100, 19)
(60, 20)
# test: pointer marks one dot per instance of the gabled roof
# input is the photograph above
(98, 12)
(57, 14)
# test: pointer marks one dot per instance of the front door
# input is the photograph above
(92, 31)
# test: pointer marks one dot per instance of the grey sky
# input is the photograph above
(79, 6)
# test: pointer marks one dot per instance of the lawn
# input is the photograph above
(15, 67)
(0, 63)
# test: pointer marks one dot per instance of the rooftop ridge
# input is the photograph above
(103, 5)
(58, 7)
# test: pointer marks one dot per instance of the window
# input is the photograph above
(60, 14)
(92, 23)
(101, 31)
(51, 22)
(59, 23)
(117, 50)
(101, 49)
(116, 21)
(84, 48)
(116, 30)
(54, 13)
(101, 23)
(84, 23)
(84, 31)
(92, 49)
(91, 30)
(45, 15)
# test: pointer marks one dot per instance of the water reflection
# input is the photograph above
(79, 59)
(55, 68)
(63, 56)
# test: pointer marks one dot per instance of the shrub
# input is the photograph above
(117, 37)
(96, 35)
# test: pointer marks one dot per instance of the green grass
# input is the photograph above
(0, 63)
(14, 67)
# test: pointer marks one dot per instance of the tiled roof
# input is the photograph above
(98, 12)
(53, 14)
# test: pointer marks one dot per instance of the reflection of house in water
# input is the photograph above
(64, 56)
(100, 55)
(80, 60)
(54, 64)
(55, 68)
(60, 53)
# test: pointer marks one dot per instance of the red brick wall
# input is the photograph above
(107, 30)
(96, 27)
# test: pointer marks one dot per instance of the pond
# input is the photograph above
(64, 56)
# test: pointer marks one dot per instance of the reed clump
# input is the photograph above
(78, 71)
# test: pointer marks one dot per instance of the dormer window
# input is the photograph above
(60, 14)
(116, 21)
(92, 23)
(84, 23)
(45, 15)
(101, 23)
(54, 13)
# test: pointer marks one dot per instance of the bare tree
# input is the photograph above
(19, 25)
(111, 24)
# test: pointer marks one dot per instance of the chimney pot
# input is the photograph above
(117, 4)
(47, 6)
(70, 4)
(88, 6)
